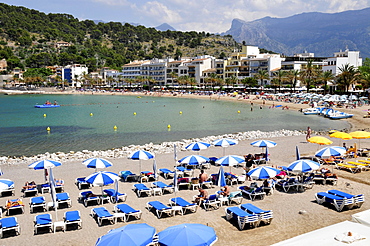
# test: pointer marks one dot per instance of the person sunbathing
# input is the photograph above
(14, 203)
(201, 197)
(225, 191)
(29, 185)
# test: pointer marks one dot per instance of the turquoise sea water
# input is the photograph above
(23, 127)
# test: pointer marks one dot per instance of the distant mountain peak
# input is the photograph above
(165, 27)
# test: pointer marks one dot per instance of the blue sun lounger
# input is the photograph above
(339, 202)
(73, 217)
(142, 188)
(242, 217)
(63, 198)
(115, 196)
(9, 224)
(37, 202)
(82, 184)
(188, 172)
(185, 205)
(264, 216)
(85, 198)
(211, 202)
(43, 221)
(163, 186)
(160, 208)
(167, 173)
(127, 211)
(125, 175)
(359, 199)
(101, 214)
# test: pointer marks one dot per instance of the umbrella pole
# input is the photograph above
(223, 151)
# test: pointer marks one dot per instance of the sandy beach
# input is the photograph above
(287, 222)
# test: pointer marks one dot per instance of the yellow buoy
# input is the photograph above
(134, 113)
(168, 126)
(180, 112)
(44, 115)
(238, 111)
(153, 101)
(48, 129)
(91, 114)
(115, 127)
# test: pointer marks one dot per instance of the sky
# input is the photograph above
(214, 16)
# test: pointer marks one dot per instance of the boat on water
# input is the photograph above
(311, 111)
(46, 106)
(336, 115)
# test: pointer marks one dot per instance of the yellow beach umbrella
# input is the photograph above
(360, 134)
(320, 140)
(341, 135)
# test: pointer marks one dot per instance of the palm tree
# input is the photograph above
(140, 80)
(173, 76)
(130, 81)
(213, 80)
(293, 76)
(262, 75)
(279, 77)
(348, 76)
(325, 77)
(309, 74)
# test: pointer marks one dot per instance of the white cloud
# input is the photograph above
(113, 2)
(159, 12)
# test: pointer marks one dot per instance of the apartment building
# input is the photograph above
(340, 59)
(73, 74)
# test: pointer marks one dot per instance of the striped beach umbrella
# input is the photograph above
(263, 144)
(97, 163)
(102, 178)
(221, 180)
(141, 155)
(6, 184)
(193, 160)
(303, 166)
(45, 164)
(263, 172)
(197, 146)
(225, 142)
(330, 151)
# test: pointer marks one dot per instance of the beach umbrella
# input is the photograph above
(360, 135)
(221, 180)
(187, 235)
(263, 172)
(298, 156)
(263, 144)
(44, 165)
(193, 160)
(155, 169)
(330, 151)
(341, 135)
(141, 155)
(129, 235)
(230, 160)
(197, 146)
(97, 163)
(224, 142)
(303, 166)
(6, 184)
(319, 140)
(101, 179)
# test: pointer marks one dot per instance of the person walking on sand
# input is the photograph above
(309, 131)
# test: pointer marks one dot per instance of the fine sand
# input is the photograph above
(287, 222)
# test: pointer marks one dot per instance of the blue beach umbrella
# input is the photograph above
(97, 163)
(330, 151)
(141, 155)
(45, 164)
(193, 160)
(298, 156)
(263, 144)
(224, 142)
(303, 166)
(130, 235)
(230, 160)
(187, 235)
(221, 180)
(263, 172)
(155, 169)
(6, 184)
(197, 146)
(102, 178)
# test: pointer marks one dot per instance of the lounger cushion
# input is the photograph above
(124, 208)
(8, 222)
(62, 196)
(141, 187)
(341, 194)
(38, 200)
(43, 219)
(72, 216)
(158, 205)
(102, 212)
(253, 209)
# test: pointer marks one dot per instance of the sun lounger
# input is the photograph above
(167, 173)
(63, 198)
(9, 224)
(351, 168)
(82, 184)
(14, 204)
(101, 214)
(264, 216)
(235, 196)
(30, 192)
(59, 185)
(185, 205)
(115, 196)
(185, 171)
(159, 208)
(43, 221)
(253, 192)
(242, 217)
(359, 199)
(142, 188)
(86, 198)
(164, 187)
(7, 192)
(339, 202)
(127, 211)
(126, 175)
(36, 203)
(362, 166)
(73, 218)
(364, 161)
(211, 202)
(307, 183)
(45, 188)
